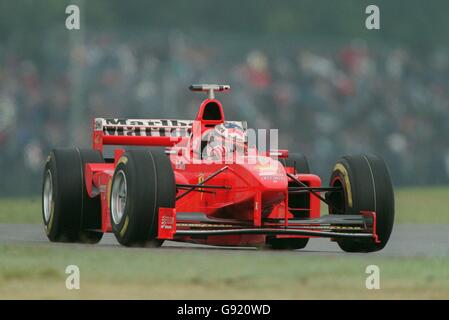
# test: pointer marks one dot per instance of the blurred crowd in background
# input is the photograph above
(326, 100)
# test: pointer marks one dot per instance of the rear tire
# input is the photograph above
(68, 212)
(143, 182)
(366, 186)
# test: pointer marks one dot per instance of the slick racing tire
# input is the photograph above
(367, 186)
(143, 182)
(68, 212)
(300, 164)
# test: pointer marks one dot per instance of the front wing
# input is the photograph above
(332, 226)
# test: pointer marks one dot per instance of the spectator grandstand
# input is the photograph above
(326, 101)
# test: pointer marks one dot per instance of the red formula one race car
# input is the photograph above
(203, 181)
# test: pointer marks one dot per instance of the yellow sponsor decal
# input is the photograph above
(200, 180)
(125, 226)
(109, 188)
(265, 167)
(123, 160)
(97, 139)
(344, 172)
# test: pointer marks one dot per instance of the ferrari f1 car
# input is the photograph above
(167, 180)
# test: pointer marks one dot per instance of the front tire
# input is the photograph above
(143, 182)
(367, 186)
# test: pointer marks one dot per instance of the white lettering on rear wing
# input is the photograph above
(148, 127)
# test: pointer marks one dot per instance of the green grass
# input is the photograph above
(413, 205)
(39, 272)
(422, 205)
(20, 210)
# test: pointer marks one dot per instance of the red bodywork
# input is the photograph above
(250, 201)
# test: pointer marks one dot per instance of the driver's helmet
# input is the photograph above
(223, 140)
(231, 131)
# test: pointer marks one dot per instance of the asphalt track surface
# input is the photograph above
(407, 240)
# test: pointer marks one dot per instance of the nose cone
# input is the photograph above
(269, 173)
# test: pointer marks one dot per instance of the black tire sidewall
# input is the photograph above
(132, 228)
(71, 203)
(51, 226)
(65, 220)
(150, 185)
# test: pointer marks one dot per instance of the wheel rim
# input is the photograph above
(48, 196)
(118, 197)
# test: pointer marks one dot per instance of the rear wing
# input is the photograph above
(143, 132)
